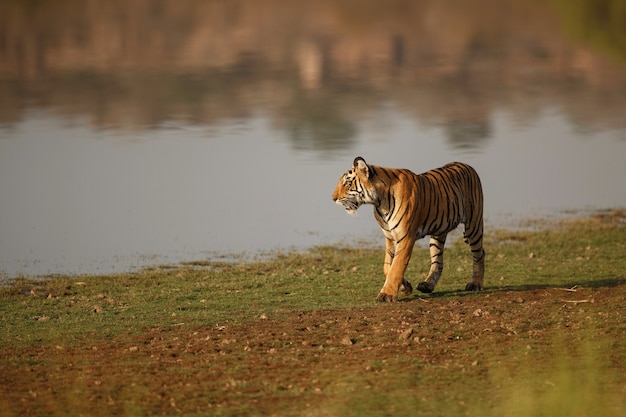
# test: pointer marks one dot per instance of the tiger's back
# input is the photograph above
(409, 206)
(454, 195)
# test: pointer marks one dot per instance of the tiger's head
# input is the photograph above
(354, 187)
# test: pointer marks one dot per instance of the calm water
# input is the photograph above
(140, 133)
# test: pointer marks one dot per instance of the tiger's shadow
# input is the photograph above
(607, 282)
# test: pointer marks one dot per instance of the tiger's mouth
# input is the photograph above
(351, 206)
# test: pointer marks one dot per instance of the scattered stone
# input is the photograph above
(405, 335)
(480, 313)
(347, 341)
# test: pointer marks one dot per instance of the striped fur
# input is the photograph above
(408, 207)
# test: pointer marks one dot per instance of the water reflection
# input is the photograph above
(129, 129)
(314, 68)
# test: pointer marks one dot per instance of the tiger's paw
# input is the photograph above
(425, 287)
(473, 286)
(386, 298)
(406, 288)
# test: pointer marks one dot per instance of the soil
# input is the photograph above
(297, 359)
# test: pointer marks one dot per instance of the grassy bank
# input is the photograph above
(301, 335)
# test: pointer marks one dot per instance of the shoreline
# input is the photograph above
(373, 241)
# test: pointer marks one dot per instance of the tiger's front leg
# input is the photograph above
(397, 258)
(437, 244)
(390, 252)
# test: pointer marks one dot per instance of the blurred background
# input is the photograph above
(143, 132)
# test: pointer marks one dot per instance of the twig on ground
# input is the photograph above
(576, 301)
(573, 289)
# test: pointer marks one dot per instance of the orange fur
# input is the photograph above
(408, 207)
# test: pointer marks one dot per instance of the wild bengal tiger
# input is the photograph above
(408, 207)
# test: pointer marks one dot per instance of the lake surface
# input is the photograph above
(136, 133)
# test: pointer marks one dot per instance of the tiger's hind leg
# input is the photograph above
(475, 241)
(436, 263)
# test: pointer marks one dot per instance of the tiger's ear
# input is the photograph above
(361, 166)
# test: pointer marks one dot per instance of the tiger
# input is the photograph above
(408, 207)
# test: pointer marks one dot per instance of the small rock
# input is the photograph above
(405, 335)
(347, 341)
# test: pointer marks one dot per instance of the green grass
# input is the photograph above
(324, 278)
(126, 304)
(270, 337)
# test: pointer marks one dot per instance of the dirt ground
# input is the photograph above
(298, 358)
